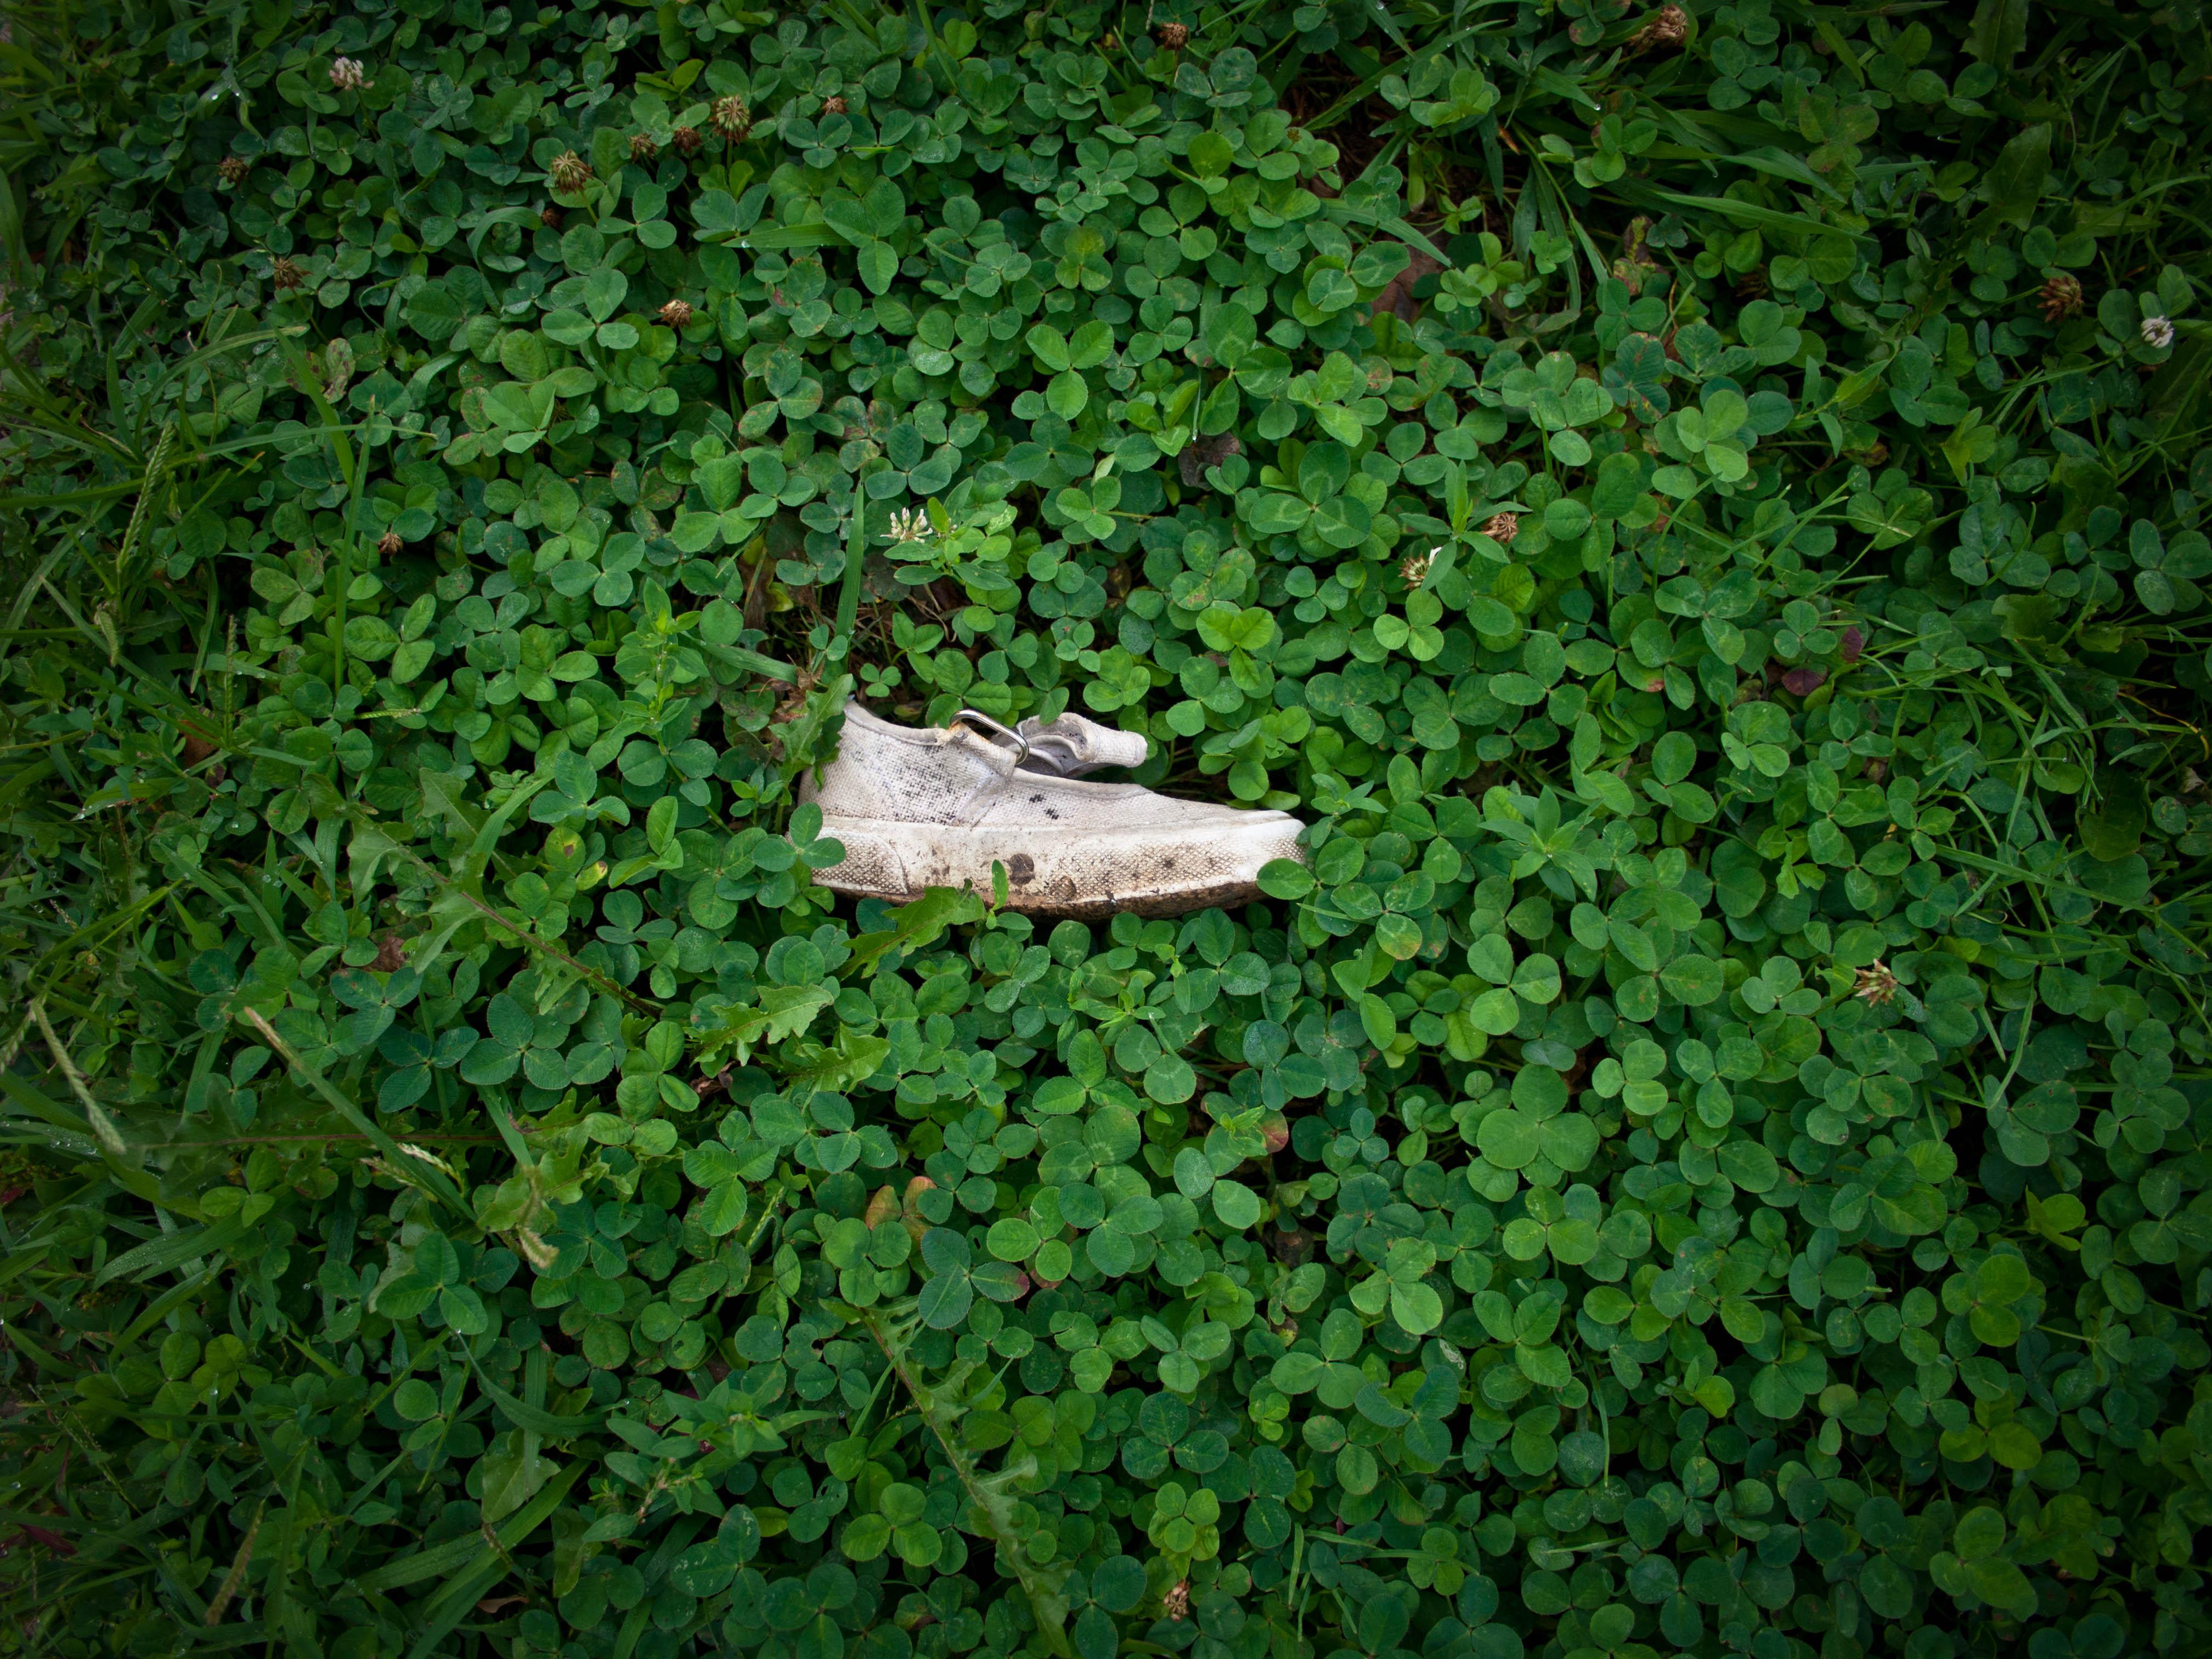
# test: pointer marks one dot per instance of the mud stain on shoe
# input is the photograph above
(1021, 869)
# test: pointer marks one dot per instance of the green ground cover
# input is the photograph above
(1699, 508)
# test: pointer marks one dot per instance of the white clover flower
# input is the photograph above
(349, 75)
(2157, 332)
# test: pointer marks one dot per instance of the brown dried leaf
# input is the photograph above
(1204, 454)
(1397, 294)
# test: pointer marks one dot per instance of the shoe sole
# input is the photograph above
(1048, 873)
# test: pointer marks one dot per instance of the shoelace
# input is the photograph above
(1068, 747)
(1072, 746)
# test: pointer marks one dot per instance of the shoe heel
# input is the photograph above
(870, 868)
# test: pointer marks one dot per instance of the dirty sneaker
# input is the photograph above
(938, 807)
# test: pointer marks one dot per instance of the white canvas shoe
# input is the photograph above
(937, 808)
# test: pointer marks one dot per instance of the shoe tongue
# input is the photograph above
(1072, 746)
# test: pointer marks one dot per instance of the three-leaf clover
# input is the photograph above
(1402, 1286)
